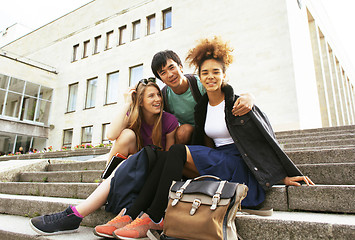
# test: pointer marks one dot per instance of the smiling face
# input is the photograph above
(152, 101)
(171, 74)
(212, 75)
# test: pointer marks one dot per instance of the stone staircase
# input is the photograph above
(324, 211)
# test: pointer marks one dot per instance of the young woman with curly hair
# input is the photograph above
(236, 148)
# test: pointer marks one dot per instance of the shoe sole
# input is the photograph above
(53, 233)
(102, 234)
(260, 212)
(153, 234)
(128, 238)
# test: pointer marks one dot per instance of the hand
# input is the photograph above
(127, 95)
(243, 105)
(294, 181)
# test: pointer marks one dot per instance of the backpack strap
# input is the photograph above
(165, 97)
(193, 86)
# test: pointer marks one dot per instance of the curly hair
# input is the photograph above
(214, 48)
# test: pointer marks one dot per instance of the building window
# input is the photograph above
(167, 18)
(24, 100)
(136, 30)
(86, 49)
(112, 88)
(72, 96)
(28, 108)
(97, 44)
(109, 40)
(16, 85)
(13, 104)
(67, 138)
(75, 52)
(44, 102)
(2, 100)
(91, 93)
(122, 35)
(151, 24)
(86, 134)
(135, 74)
(105, 140)
(4, 81)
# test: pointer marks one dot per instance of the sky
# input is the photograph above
(36, 13)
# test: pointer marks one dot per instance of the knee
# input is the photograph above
(126, 136)
(183, 134)
(177, 151)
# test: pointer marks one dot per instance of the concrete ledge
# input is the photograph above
(317, 131)
(77, 166)
(330, 173)
(322, 198)
(276, 198)
(296, 225)
(292, 139)
(35, 206)
(10, 170)
(88, 176)
(17, 227)
(59, 154)
(339, 155)
(64, 190)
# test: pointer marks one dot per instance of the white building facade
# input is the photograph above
(87, 58)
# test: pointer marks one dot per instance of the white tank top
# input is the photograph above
(215, 126)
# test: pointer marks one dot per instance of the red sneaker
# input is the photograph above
(138, 228)
(107, 229)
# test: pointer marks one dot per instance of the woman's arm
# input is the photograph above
(243, 104)
(120, 121)
(294, 181)
(170, 139)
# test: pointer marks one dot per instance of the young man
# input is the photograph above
(180, 96)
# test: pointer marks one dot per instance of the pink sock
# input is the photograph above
(76, 212)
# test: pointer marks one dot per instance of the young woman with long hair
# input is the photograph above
(140, 122)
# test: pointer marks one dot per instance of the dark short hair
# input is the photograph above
(160, 59)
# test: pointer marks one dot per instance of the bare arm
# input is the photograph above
(170, 139)
(120, 121)
(243, 104)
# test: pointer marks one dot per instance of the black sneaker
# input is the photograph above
(56, 223)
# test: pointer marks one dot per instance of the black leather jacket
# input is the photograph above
(254, 138)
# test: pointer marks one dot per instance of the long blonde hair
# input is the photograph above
(136, 116)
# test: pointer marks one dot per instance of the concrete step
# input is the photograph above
(314, 156)
(296, 139)
(296, 225)
(318, 198)
(317, 131)
(31, 206)
(77, 166)
(22, 230)
(330, 173)
(317, 144)
(64, 190)
(318, 148)
(281, 225)
(324, 173)
(88, 176)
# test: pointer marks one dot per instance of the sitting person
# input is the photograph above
(182, 92)
(236, 148)
(143, 121)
